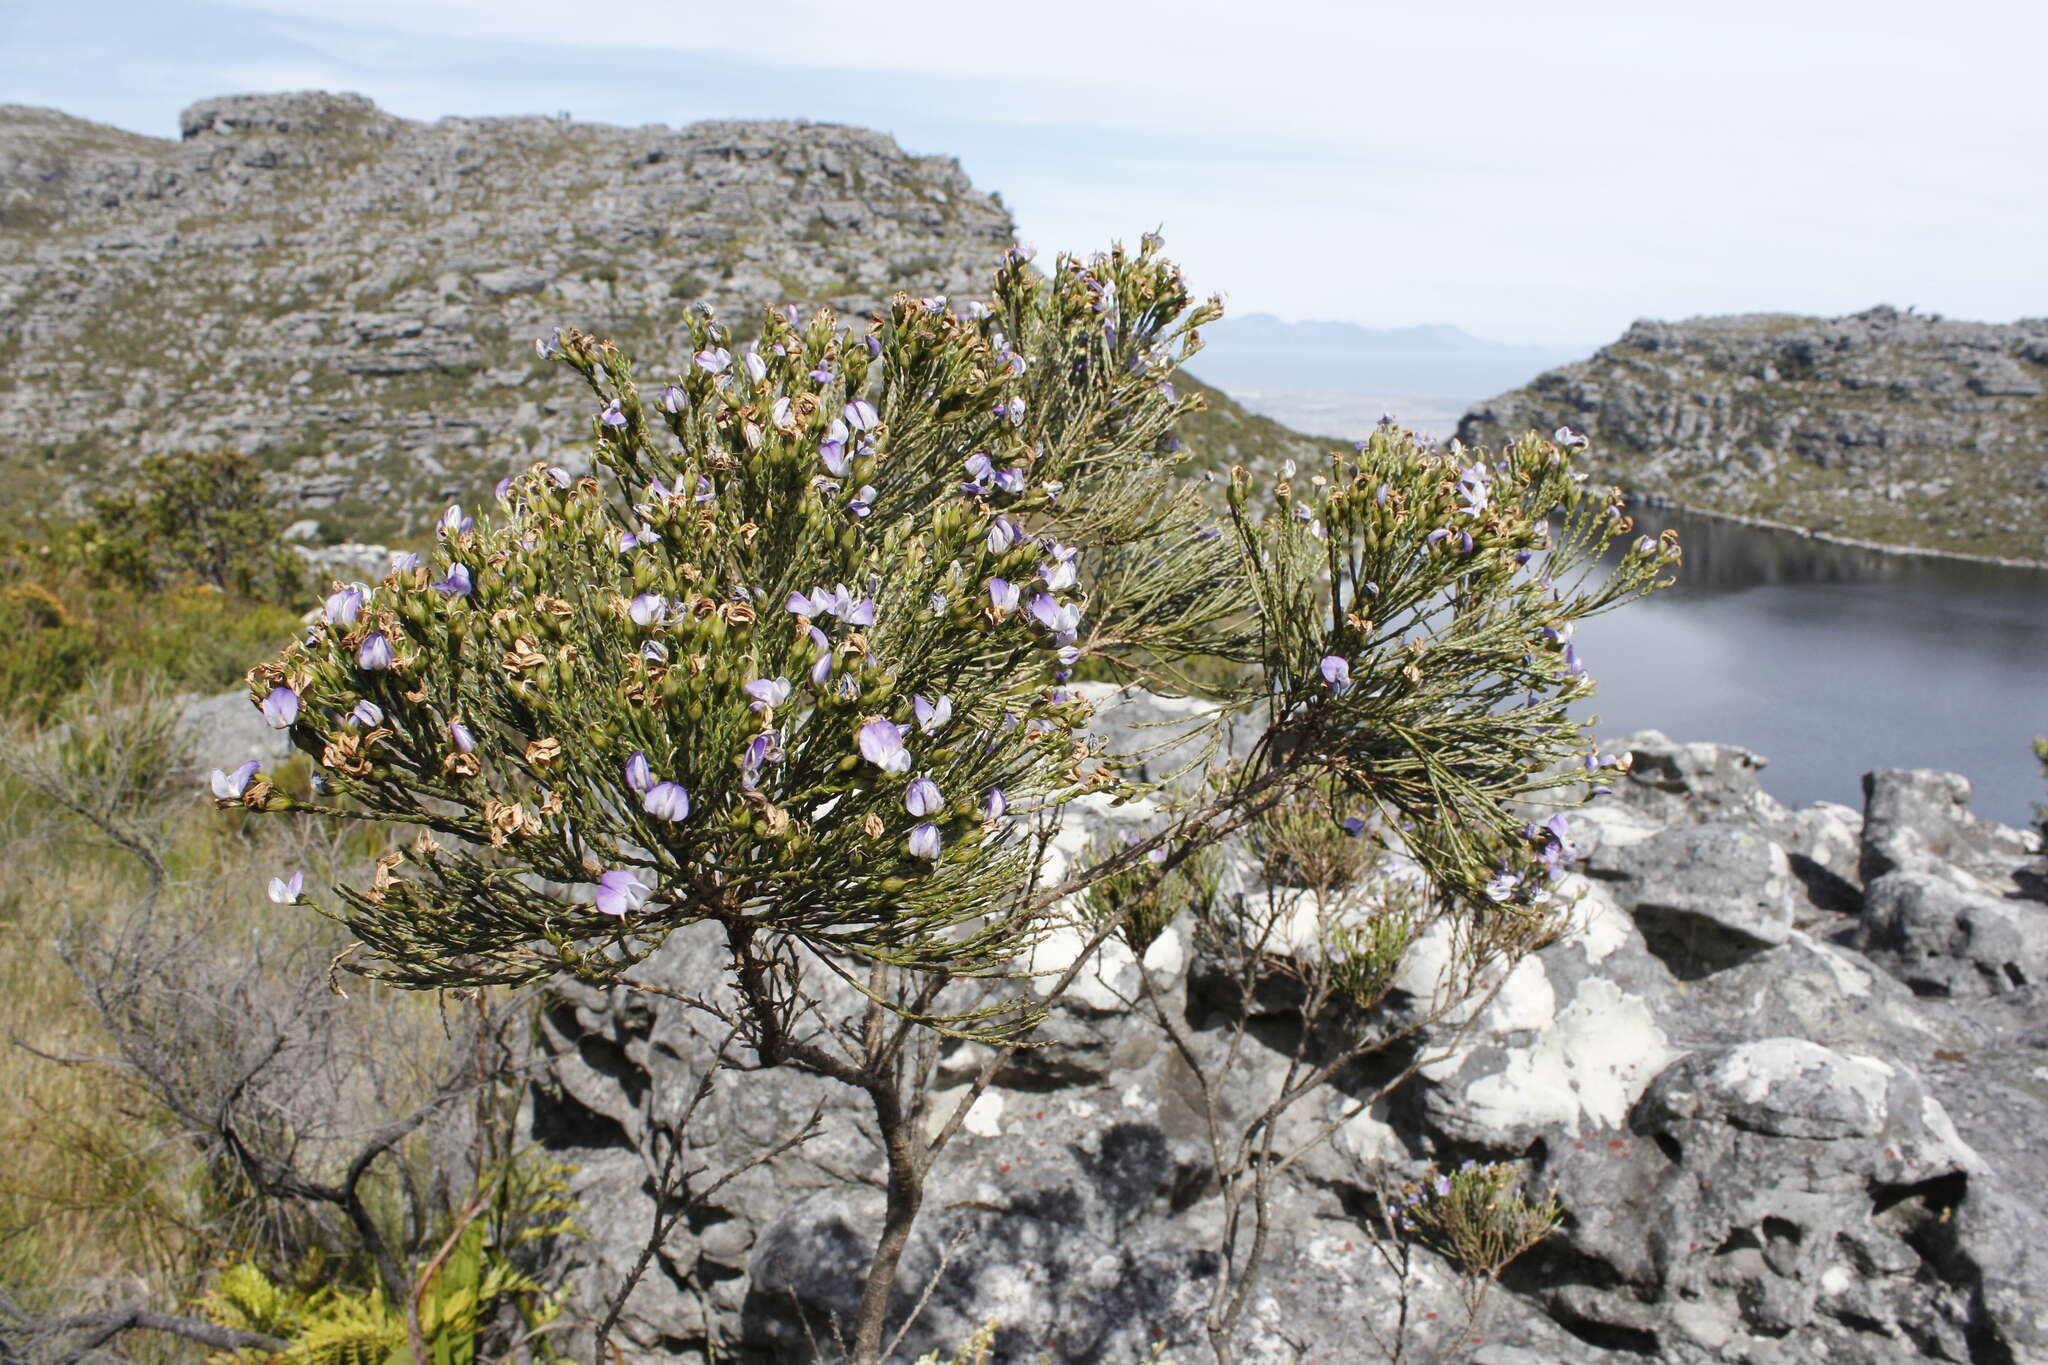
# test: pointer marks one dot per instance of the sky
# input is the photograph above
(1534, 173)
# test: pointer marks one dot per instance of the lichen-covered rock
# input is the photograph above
(1900, 428)
(1706, 896)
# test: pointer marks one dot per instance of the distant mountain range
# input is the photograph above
(1337, 378)
(350, 297)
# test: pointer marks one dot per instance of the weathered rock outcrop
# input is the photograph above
(1770, 1146)
(1899, 428)
(352, 297)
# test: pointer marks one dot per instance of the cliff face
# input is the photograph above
(1904, 429)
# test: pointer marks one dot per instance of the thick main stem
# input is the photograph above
(905, 1196)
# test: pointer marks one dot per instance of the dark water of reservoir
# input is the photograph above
(1831, 661)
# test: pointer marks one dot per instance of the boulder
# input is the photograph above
(1705, 896)
(1943, 934)
(1913, 816)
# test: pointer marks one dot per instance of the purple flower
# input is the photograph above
(861, 613)
(821, 668)
(453, 522)
(874, 345)
(546, 348)
(1002, 594)
(1572, 667)
(763, 749)
(705, 492)
(768, 692)
(714, 361)
(464, 740)
(666, 801)
(285, 890)
(863, 502)
(1337, 673)
(367, 714)
(1569, 439)
(833, 453)
(925, 842)
(922, 797)
(1002, 534)
(997, 805)
(778, 413)
(280, 708)
(654, 651)
(881, 743)
(458, 582)
(638, 776)
(1045, 610)
(1354, 826)
(230, 786)
(374, 654)
(757, 368)
(647, 608)
(860, 415)
(1645, 545)
(802, 605)
(1010, 481)
(931, 714)
(673, 399)
(346, 605)
(612, 416)
(503, 490)
(620, 892)
(1502, 886)
(1059, 574)
(406, 562)
(1438, 536)
(982, 469)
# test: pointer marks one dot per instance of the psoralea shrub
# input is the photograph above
(794, 659)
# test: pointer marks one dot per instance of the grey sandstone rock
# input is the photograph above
(1706, 896)
(1944, 936)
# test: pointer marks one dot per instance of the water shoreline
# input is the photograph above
(1665, 502)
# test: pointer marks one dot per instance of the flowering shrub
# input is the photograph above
(1478, 1217)
(794, 661)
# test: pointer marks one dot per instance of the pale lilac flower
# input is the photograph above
(546, 348)
(1438, 536)
(1002, 534)
(982, 470)
(559, 476)
(833, 454)
(874, 345)
(647, 608)
(405, 562)
(1569, 439)
(1646, 545)
(453, 522)
(931, 714)
(863, 502)
(458, 583)
(861, 613)
(285, 890)
(654, 651)
(821, 668)
(619, 892)
(673, 399)
(1059, 574)
(666, 801)
(1010, 481)
(1572, 667)
(374, 655)
(757, 368)
(612, 416)
(714, 361)
(705, 491)
(639, 776)
(939, 602)
(778, 413)
(802, 605)
(367, 714)
(280, 708)
(503, 489)
(768, 692)
(230, 786)
(860, 415)
(1502, 886)
(1069, 655)
(924, 842)
(922, 797)
(1002, 594)
(1337, 673)
(347, 604)
(881, 743)
(997, 805)
(459, 733)
(1045, 610)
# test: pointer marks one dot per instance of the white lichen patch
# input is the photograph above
(1585, 1069)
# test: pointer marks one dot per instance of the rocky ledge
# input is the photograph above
(1900, 429)
(1786, 1074)
(352, 297)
